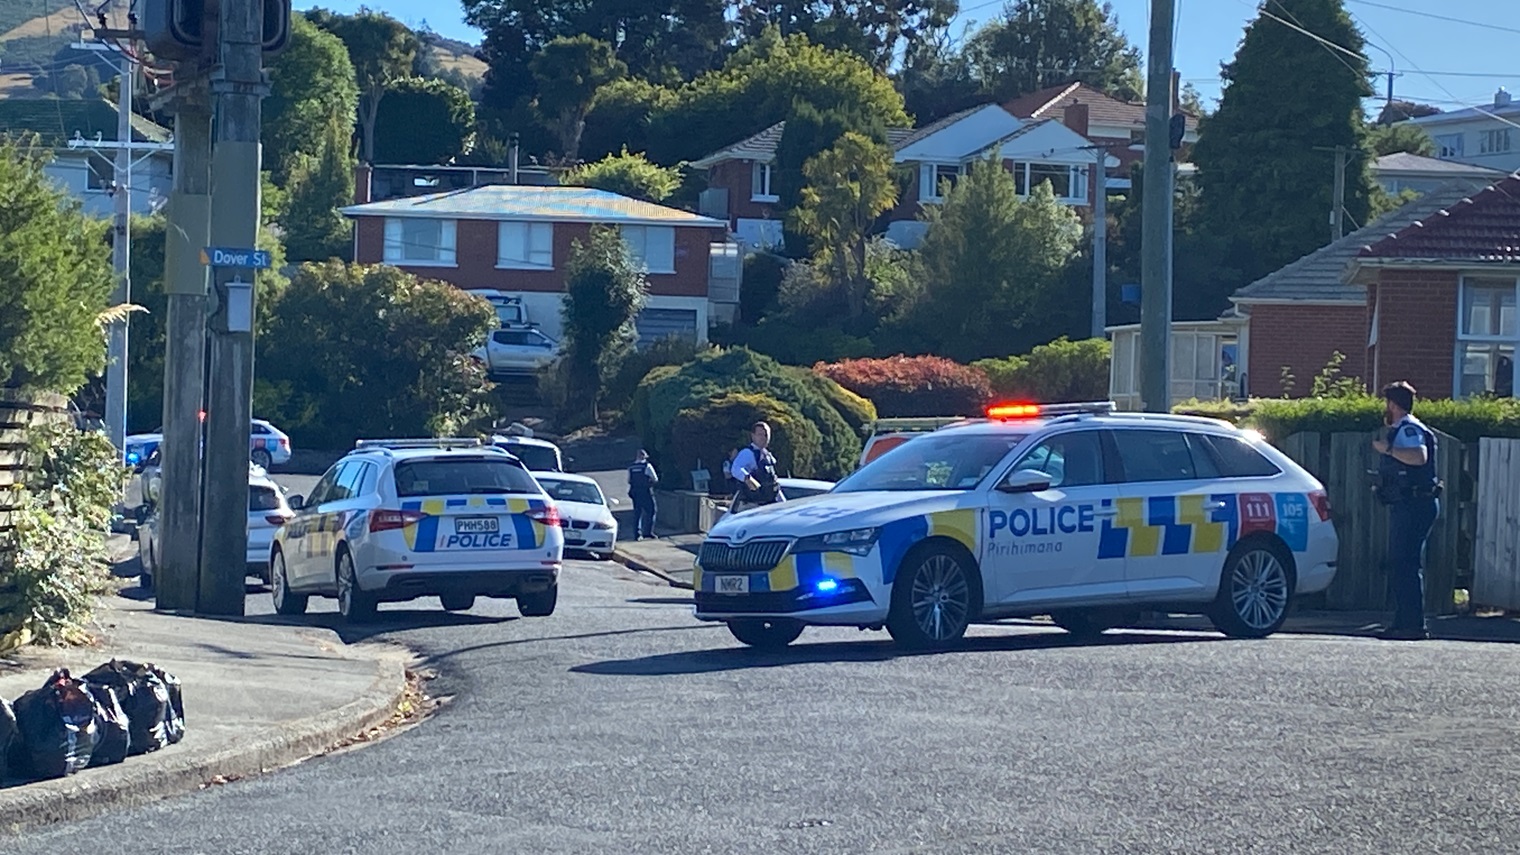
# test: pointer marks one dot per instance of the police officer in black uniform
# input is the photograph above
(641, 481)
(754, 467)
(1408, 485)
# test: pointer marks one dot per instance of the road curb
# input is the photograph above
(153, 777)
(633, 563)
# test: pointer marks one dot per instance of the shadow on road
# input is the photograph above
(513, 642)
(386, 621)
(740, 658)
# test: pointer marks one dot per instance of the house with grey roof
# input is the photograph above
(82, 137)
(1402, 171)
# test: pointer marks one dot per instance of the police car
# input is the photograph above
(1072, 511)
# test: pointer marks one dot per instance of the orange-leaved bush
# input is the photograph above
(906, 386)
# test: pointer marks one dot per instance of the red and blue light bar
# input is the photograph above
(1007, 410)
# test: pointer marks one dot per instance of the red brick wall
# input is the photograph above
(1303, 338)
(738, 177)
(475, 243)
(1417, 329)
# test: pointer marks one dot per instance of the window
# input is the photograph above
(347, 486)
(1448, 145)
(322, 492)
(367, 484)
(1067, 181)
(261, 498)
(464, 475)
(1494, 142)
(1070, 459)
(652, 246)
(933, 462)
(572, 491)
(1236, 458)
(525, 246)
(419, 241)
(760, 183)
(936, 179)
(538, 458)
(522, 338)
(1486, 336)
(1155, 455)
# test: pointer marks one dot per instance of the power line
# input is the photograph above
(1432, 15)
(1438, 84)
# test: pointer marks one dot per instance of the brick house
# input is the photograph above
(740, 177)
(1117, 125)
(515, 240)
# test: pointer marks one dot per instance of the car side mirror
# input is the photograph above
(614, 502)
(296, 502)
(1025, 481)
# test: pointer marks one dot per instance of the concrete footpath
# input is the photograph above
(259, 694)
(670, 557)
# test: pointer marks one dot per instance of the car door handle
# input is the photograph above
(1215, 506)
(1106, 512)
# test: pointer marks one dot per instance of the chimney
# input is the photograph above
(1076, 118)
(1501, 98)
(515, 141)
(362, 188)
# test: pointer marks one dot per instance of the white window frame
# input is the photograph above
(1448, 145)
(929, 176)
(445, 254)
(1465, 338)
(761, 174)
(537, 244)
(1076, 182)
(1495, 141)
(637, 240)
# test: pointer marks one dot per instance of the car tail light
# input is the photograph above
(279, 519)
(284, 443)
(390, 520)
(1321, 502)
(547, 516)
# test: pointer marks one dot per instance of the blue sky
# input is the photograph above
(1482, 58)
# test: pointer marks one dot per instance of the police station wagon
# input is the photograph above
(1072, 511)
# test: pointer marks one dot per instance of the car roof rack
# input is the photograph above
(398, 444)
(907, 425)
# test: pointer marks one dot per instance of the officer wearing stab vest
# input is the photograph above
(641, 481)
(754, 467)
(1408, 485)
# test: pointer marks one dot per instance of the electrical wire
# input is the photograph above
(1434, 16)
(1479, 110)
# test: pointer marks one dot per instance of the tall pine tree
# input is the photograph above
(1266, 178)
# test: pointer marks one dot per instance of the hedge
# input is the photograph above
(709, 430)
(1278, 418)
(1059, 371)
(905, 386)
(665, 392)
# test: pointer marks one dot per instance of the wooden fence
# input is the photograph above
(1496, 560)
(1342, 462)
(18, 412)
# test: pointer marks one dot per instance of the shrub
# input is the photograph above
(709, 430)
(857, 411)
(1059, 371)
(1279, 418)
(604, 292)
(760, 289)
(903, 386)
(630, 372)
(627, 174)
(664, 395)
(55, 561)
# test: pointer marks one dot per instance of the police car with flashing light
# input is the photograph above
(1073, 511)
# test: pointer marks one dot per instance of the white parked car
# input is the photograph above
(517, 350)
(395, 520)
(267, 511)
(1071, 511)
(584, 513)
(539, 455)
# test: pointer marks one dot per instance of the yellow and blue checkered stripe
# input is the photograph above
(423, 535)
(1146, 527)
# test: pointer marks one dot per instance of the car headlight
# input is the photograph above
(855, 541)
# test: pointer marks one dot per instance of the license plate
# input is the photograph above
(475, 525)
(731, 584)
(575, 541)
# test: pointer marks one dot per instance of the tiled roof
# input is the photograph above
(1102, 109)
(1320, 275)
(56, 120)
(762, 146)
(1484, 227)
(523, 202)
(1403, 161)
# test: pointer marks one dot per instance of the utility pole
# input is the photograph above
(1155, 245)
(1100, 244)
(238, 85)
(121, 260)
(188, 232)
(1338, 213)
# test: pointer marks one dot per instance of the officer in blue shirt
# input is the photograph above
(641, 481)
(1407, 483)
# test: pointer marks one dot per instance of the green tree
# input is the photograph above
(993, 263)
(620, 117)
(1390, 139)
(319, 185)
(569, 71)
(1265, 173)
(936, 79)
(627, 174)
(396, 355)
(849, 186)
(1040, 43)
(382, 51)
(810, 131)
(604, 293)
(311, 84)
(55, 279)
(879, 31)
(423, 121)
(1397, 110)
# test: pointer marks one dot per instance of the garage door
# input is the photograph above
(656, 324)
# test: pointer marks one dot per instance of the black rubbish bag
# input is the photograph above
(112, 724)
(144, 698)
(7, 736)
(56, 724)
(174, 720)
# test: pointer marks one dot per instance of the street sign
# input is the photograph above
(216, 256)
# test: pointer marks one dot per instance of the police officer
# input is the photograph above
(754, 467)
(641, 481)
(1407, 484)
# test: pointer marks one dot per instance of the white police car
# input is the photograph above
(1072, 511)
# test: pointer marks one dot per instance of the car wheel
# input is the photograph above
(458, 602)
(1255, 589)
(261, 458)
(286, 602)
(766, 634)
(539, 604)
(354, 604)
(933, 599)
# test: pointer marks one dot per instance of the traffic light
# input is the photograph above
(1178, 129)
(173, 28)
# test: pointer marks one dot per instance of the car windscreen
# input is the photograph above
(463, 475)
(572, 491)
(933, 462)
(261, 498)
(536, 457)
